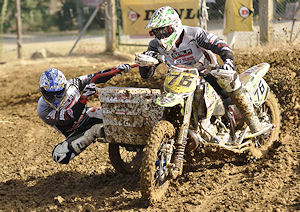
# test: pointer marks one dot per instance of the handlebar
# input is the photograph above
(113, 71)
(208, 67)
(205, 70)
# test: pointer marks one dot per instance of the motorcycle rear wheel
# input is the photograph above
(154, 162)
(126, 159)
(263, 143)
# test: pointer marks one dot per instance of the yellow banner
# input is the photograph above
(136, 13)
(238, 16)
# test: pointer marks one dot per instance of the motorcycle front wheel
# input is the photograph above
(156, 157)
(126, 159)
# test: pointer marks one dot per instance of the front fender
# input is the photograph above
(170, 100)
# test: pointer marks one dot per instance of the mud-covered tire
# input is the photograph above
(274, 112)
(121, 166)
(151, 193)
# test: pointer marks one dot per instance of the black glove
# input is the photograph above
(89, 90)
(228, 65)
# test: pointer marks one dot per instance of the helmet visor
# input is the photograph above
(162, 32)
(53, 96)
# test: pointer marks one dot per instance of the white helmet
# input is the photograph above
(166, 26)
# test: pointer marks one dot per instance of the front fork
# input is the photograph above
(177, 167)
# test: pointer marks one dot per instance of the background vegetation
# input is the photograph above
(72, 14)
(38, 16)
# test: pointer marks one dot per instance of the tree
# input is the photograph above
(2, 18)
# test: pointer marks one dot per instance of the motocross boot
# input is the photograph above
(89, 136)
(68, 149)
(243, 103)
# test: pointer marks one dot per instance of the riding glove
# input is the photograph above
(124, 67)
(89, 90)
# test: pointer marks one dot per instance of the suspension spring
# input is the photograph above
(179, 153)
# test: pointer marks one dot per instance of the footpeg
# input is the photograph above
(265, 129)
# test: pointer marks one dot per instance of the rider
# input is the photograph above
(187, 45)
(63, 106)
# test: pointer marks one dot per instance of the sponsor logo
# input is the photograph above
(244, 12)
(183, 53)
(70, 112)
(133, 16)
(51, 115)
(184, 13)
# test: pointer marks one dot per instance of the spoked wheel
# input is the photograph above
(126, 159)
(156, 157)
(268, 113)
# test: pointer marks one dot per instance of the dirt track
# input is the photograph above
(31, 181)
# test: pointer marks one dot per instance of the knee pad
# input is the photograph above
(62, 153)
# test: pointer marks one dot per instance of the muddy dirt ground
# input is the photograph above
(31, 181)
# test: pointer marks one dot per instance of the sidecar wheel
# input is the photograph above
(126, 159)
(154, 177)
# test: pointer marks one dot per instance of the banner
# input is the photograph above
(238, 16)
(136, 14)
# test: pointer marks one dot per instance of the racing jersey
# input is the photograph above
(73, 106)
(195, 46)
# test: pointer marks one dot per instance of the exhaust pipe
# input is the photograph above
(194, 141)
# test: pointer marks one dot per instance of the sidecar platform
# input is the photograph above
(129, 113)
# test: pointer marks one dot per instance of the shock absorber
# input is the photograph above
(178, 159)
(179, 153)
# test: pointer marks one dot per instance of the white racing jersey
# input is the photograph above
(196, 46)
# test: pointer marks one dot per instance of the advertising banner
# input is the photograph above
(136, 14)
(238, 16)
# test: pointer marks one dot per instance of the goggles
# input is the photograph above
(52, 96)
(162, 32)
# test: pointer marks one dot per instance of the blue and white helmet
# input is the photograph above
(53, 85)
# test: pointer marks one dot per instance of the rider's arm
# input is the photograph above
(212, 42)
(148, 71)
(82, 81)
